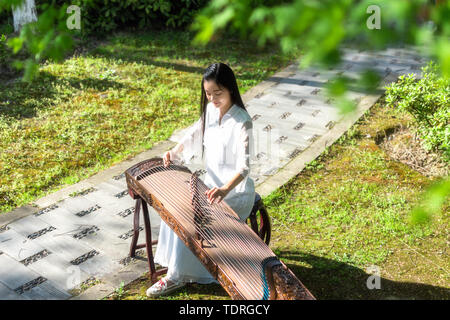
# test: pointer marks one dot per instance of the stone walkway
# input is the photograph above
(79, 236)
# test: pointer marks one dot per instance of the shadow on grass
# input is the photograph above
(149, 48)
(22, 100)
(326, 279)
(140, 55)
(329, 279)
(129, 55)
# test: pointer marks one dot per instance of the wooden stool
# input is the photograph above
(149, 243)
(263, 228)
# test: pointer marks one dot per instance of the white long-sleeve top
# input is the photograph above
(228, 149)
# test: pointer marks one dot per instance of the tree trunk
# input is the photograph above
(24, 14)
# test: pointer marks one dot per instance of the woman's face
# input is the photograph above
(219, 96)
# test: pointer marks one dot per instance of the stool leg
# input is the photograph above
(253, 222)
(148, 242)
(265, 224)
(134, 241)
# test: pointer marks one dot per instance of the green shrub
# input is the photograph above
(102, 16)
(5, 55)
(3, 50)
(427, 100)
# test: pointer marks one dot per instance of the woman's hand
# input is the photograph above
(216, 194)
(167, 157)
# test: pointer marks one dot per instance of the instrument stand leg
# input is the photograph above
(149, 243)
(135, 238)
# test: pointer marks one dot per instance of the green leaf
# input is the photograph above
(337, 86)
(16, 44)
(206, 27)
(31, 68)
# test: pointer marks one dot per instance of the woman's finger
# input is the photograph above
(166, 159)
(211, 194)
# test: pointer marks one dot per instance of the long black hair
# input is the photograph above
(224, 77)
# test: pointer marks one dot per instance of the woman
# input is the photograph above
(223, 138)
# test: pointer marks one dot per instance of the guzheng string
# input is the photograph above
(194, 191)
(237, 241)
(230, 263)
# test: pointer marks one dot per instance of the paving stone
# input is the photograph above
(124, 211)
(293, 103)
(77, 204)
(60, 271)
(53, 209)
(113, 224)
(316, 119)
(9, 294)
(155, 219)
(270, 156)
(80, 219)
(302, 108)
(286, 89)
(121, 183)
(13, 274)
(65, 221)
(120, 209)
(278, 141)
(30, 225)
(112, 189)
(46, 291)
(108, 196)
(102, 198)
(312, 75)
(295, 126)
(108, 221)
(100, 264)
(64, 245)
(17, 246)
(104, 242)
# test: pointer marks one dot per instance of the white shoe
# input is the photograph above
(163, 287)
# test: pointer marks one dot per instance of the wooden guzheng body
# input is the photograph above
(229, 249)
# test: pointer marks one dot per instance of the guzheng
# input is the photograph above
(229, 249)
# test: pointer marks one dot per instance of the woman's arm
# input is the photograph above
(220, 193)
(242, 165)
(186, 147)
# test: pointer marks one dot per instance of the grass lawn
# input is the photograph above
(112, 100)
(347, 211)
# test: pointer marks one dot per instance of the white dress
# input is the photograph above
(228, 148)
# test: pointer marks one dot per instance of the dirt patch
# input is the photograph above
(402, 144)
